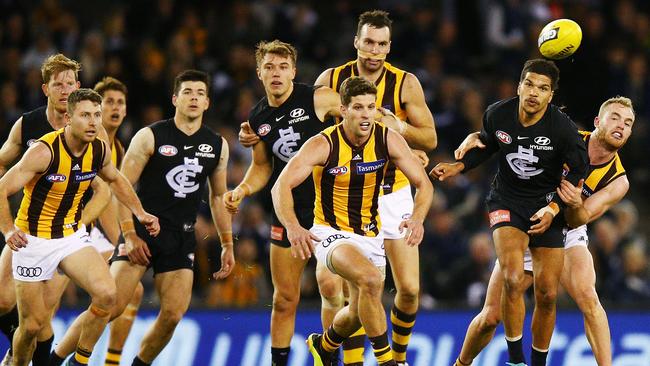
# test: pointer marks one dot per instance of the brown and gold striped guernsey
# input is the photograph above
(389, 95)
(50, 208)
(348, 185)
(599, 176)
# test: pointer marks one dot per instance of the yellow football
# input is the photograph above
(559, 39)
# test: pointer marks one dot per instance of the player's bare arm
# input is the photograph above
(101, 198)
(217, 184)
(35, 161)
(471, 141)
(324, 78)
(420, 131)
(256, 178)
(124, 193)
(327, 103)
(598, 203)
(135, 159)
(314, 152)
(11, 149)
(409, 164)
(575, 212)
(247, 137)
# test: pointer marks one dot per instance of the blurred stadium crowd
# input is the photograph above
(467, 54)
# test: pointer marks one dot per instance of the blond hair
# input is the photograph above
(624, 101)
(275, 47)
(57, 63)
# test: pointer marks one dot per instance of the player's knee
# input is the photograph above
(32, 325)
(513, 281)
(545, 295)
(105, 296)
(489, 319)
(7, 303)
(136, 299)
(371, 284)
(587, 299)
(331, 292)
(170, 317)
(285, 301)
(409, 292)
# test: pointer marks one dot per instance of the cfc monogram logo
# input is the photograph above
(521, 163)
(181, 178)
(286, 146)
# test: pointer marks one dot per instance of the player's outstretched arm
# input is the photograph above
(471, 141)
(598, 203)
(257, 176)
(409, 164)
(314, 152)
(124, 192)
(247, 137)
(217, 184)
(35, 161)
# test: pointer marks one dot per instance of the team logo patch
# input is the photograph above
(84, 176)
(56, 178)
(277, 232)
(503, 137)
(168, 150)
(499, 216)
(542, 140)
(264, 129)
(338, 170)
(298, 112)
(370, 167)
(31, 142)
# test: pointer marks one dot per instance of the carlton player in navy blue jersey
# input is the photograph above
(171, 160)
(284, 120)
(534, 140)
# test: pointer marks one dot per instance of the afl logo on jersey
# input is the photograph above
(168, 150)
(56, 178)
(264, 129)
(503, 137)
(338, 170)
(205, 148)
(31, 142)
(298, 112)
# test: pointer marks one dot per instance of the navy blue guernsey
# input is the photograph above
(531, 159)
(173, 181)
(34, 126)
(284, 130)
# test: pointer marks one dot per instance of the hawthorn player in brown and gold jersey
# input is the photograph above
(47, 234)
(604, 186)
(400, 95)
(348, 162)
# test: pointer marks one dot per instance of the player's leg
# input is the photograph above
(366, 285)
(175, 291)
(510, 244)
(52, 293)
(579, 279)
(404, 263)
(481, 330)
(286, 272)
(8, 308)
(330, 287)
(127, 277)
(101, 287)
(547, 269)
(33, 315)
(120, 327)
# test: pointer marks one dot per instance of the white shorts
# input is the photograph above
(99, 241)
(330, 238)
(41, 257)
(574, 237)
(393, 209)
